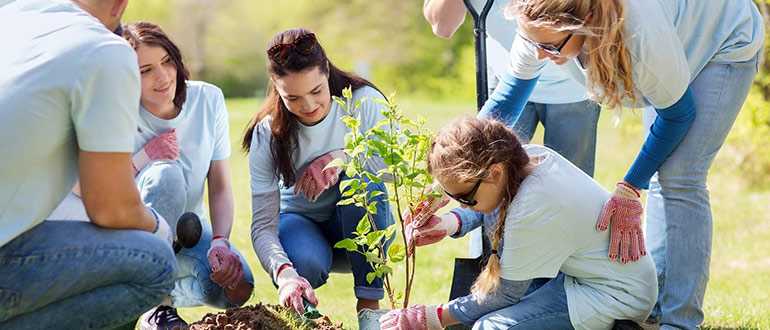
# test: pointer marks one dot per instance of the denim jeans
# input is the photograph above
(75, 275)
(570, 129)
(679, 222)
(310, 244)
(543, 307)
(162, 187)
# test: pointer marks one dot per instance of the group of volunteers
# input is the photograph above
(107, 142)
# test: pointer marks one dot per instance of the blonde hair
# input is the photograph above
(463, 151)
(610, 75)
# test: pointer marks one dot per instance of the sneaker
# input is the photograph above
(162, 318)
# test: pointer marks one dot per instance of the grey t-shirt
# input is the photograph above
(67, 84)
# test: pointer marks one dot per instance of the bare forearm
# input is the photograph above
(220, 198)
(109, 193)
(444, 16)
(222, 211)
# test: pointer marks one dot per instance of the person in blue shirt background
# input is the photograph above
(690, 64)
(559, 102)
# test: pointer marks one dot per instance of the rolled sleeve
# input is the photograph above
(469, 220)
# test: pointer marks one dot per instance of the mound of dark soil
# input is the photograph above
(260, 317)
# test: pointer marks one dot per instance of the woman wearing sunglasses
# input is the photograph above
(545, 208)
(298, 131)
(691, 64)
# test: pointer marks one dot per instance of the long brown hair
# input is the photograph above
(463, 151)
(284, 125)
(610, 75)
(146, 33)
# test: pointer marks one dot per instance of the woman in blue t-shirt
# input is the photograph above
(182, 144)
(691, 63)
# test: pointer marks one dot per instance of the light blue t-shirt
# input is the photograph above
(555, 85)
(67, 84)
(313, 141)
(202, 131)
(670, 41)
(550, 228)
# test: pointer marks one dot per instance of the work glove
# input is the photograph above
(316, 177)
(428, 207)
(292, 288)
(226, 268)
(431, 231)
(161, 147)
(622, 213)
(417, 317)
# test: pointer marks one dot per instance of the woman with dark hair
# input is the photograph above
(181, 143)
(298, 131)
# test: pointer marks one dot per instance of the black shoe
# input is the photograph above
(626, 325)
(162, 318)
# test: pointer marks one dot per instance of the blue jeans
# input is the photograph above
(310, 244)
(570, 129)
(162, 187)
(543, 307)
(75, 275)
(679, 222)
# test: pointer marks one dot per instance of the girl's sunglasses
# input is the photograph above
(302, 45)
(467, 198)
(552, 49)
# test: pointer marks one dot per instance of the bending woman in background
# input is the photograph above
(691, 63)
(549, 267)
(298, 131)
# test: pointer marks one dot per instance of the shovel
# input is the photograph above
(466, 270)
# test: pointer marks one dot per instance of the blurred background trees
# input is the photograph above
(389, 42)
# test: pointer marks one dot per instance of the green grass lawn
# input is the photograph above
(739, 290)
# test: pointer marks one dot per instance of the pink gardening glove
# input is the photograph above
(432, 231)
(161, 147)
(316, 178)
(417, 317)
(428, 208)
(226, 268)
(623, 214)
(291, 289)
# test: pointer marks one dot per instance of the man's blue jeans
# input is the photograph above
(570, 130)
(162, 187)
(310, 244)
(75, 275)
(679, 222)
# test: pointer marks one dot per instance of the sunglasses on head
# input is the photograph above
(467, 198)
(552, 49)
(303, 45)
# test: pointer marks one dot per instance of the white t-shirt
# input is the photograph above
(313, 141)
(555, 85)
(67, 84)
(670, 41)
(550, 228)
(202, 131)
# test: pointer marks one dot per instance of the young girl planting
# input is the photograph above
(546, 210)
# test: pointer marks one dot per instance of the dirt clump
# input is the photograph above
(259, 317)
